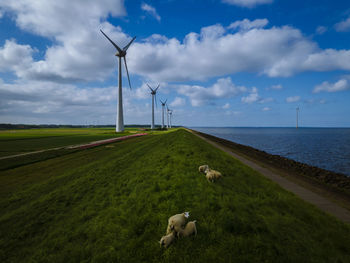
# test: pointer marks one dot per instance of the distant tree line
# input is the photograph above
(8, 126)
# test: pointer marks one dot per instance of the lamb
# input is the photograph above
(177, 222)
(167, 240)
(188, 230)
(203, 168)
(212, 175)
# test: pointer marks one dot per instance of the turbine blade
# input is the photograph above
(165, 101)
(157, 87)
(127, 71)
(128, 45)
(155, 97)
(114, 44)
(150, 87)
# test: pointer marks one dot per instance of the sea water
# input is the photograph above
(327, 148)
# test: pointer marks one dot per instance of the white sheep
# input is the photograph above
(203, 168)
(188, 230)
(212, 175)
(167, 240)
(177, 221)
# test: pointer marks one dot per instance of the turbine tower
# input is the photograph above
(297, 117)
(167, 117)
(171, 115)
(163, 106)
(154, 94)
(121, 54)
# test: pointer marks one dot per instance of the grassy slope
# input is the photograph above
(112, 204)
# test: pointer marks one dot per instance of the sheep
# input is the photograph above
(188, 230)
(167, 240)
(212, 175)
(177, 221)
(203, 168)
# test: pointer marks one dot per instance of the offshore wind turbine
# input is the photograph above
(297, 109)
(154, 94)
(121, 53)
(163, 107)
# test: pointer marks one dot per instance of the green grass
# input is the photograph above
(111, 204)
(27, 140)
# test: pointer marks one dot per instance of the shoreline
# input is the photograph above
(332, 185)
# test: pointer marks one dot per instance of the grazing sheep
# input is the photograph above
(188, 230)
(167, 240)
(212, 175)
(203, 168)
(177, 221)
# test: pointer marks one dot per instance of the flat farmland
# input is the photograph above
(14, 142)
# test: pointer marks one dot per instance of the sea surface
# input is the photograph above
(327, 148)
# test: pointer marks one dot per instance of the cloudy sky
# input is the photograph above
(218, 62)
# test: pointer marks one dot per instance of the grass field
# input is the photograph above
(111, 204)
(27, 140)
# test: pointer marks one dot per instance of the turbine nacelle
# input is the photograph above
(163, 102)
(121, 54)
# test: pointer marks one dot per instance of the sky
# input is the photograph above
(236, 63)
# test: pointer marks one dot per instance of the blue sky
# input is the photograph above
(219, 63)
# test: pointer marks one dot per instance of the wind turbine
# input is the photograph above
(154, 93)
(170, 112)
(171, 115)
(121, 54)
(167, 117)
(297, 117)
(163, 106)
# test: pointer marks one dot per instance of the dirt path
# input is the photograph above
(80, 146)
(305, 194)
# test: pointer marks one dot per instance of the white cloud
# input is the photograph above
(143, 92)
(226, 106)
(340, 85)
(199, 95)
(1, 13)
(247, 3)
(178, 102)
(252, 97)
(266, 100)
(276, 52)
(44, 102)
(246, 24)
(266, 109)
(234, 113)
(79, 51)
(277, 87)
(15, 57)
(343, 26)
(293, 99)
(320, 30)
(151, 10)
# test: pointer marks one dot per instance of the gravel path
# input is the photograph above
(305, 194)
